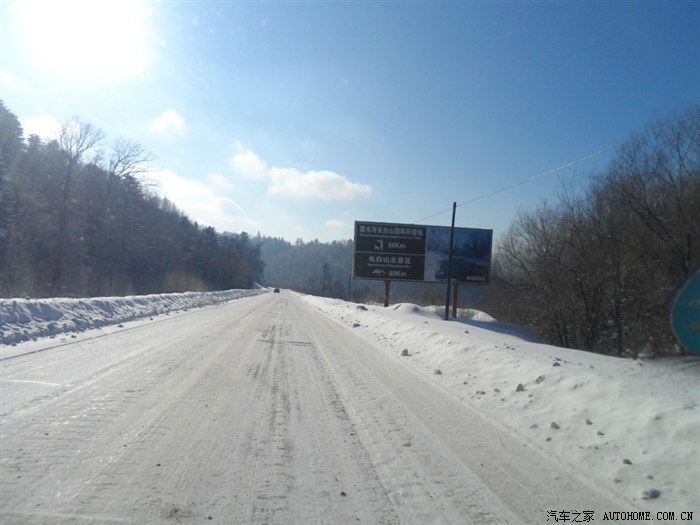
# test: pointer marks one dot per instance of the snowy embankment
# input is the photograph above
(26, 319)
(630, 425)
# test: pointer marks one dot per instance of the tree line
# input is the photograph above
(79, 220)
(313, 267)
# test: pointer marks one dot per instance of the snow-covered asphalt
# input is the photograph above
(261, 410)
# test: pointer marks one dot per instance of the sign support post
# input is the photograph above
(449, 262)
(455, 298)
(387, 285)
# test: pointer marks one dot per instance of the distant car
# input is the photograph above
(276, 290)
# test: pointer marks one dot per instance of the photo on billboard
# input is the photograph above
(471, 256)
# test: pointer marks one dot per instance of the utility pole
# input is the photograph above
(449, 262)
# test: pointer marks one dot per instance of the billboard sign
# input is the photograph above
(407, 252)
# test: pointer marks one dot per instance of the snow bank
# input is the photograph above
(25, 319)
(630, 425)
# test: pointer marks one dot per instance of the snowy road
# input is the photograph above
(257, 411)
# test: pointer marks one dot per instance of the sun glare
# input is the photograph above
(88, 40)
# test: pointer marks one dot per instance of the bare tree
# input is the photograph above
(128, 158)
(599, 268)
(75, 140)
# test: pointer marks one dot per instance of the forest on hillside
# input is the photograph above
(77, 220)
(597, 268)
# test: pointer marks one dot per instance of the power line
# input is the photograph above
(535, 177)
(524, 181)
(558, 169)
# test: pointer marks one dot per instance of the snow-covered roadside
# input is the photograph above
(26, 319)
(630, 425)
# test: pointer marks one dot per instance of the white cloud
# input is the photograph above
(201, 203)
(228, 206)
(220, 181)
(314, 184)
(45, 126)
(325, 185)
(182, 192)
(245, 162)
(335, 223)
(169, 124)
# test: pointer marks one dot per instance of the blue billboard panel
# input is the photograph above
(471, 254)
(407, 252)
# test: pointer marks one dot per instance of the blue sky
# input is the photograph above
(295, 119)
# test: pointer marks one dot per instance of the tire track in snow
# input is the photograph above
(424, 482)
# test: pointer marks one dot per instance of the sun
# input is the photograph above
(101, 40)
